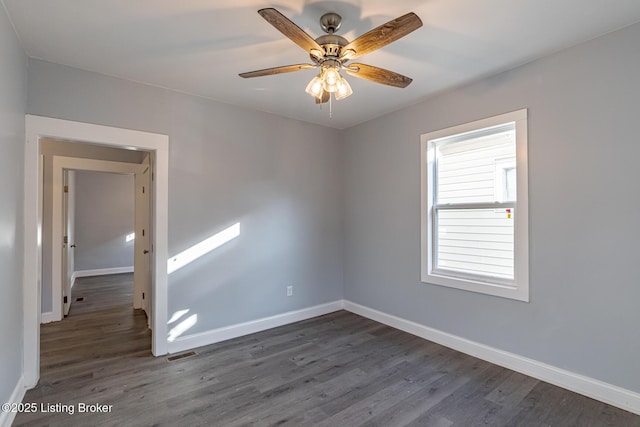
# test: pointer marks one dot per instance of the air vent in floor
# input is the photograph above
(181, 356)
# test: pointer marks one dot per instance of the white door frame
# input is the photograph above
(60, 163)
(39, 127)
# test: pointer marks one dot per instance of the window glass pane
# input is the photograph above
(476, 241)
(510, 184)
(474, 168)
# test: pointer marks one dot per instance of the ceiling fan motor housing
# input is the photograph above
(332, 45)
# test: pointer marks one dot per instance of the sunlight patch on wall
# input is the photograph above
(182, 327)
(130, 237)
(196, 251)
(177, 315)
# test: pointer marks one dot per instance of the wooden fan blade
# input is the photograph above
(382, 36)
(276, 70)
(325, 98)
(291, 30)
(378, 75)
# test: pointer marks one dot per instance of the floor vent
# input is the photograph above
(181, 356)
(79, 299)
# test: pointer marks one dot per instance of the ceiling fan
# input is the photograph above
(331, 53)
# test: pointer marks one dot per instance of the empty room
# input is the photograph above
(331, 213)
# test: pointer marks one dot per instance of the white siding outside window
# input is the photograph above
(474, 207)
(475, 241)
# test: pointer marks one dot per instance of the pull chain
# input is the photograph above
(330, 108)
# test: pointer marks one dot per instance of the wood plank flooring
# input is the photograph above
(334, 370)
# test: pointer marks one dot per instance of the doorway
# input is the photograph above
(63, 242)
(83, 133)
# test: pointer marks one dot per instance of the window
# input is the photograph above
(474, 206)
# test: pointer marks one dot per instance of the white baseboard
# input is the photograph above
(101, 272)
(595, 389)
(6, 418)
(48, 317)
(228, 332)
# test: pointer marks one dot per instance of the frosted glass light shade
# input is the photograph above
(343, 89)
(331, 76)
(315, 87)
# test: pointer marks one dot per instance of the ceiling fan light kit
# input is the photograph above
(329, 80)
(331, 52)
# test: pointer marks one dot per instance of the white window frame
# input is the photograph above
(518, 288)
(500, 179)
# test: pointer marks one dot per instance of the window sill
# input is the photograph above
(482, 287)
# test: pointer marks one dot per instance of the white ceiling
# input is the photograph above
(200, 46)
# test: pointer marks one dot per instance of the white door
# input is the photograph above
(67, 242)
(142, 247)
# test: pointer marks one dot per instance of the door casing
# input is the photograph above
(143, 235)
(38, 127)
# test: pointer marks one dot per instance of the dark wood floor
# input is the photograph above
(334, 370)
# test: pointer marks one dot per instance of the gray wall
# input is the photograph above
(13, 79)
(50, 148)
(104, 215)
(280, 178)
(584, 210)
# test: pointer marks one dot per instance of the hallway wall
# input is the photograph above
(104, 216)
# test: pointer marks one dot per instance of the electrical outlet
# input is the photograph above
(289, 291)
